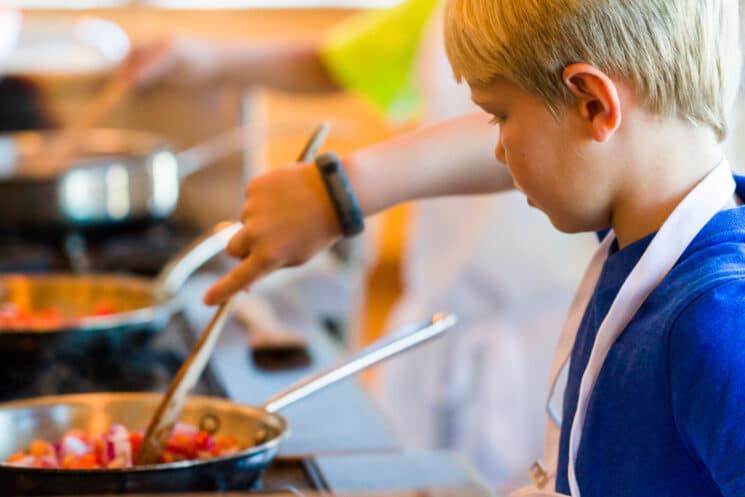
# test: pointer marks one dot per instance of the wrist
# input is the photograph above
(342, 196)
(367, 178)
(325, 214)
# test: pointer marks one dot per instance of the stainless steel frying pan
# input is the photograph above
(261, 429)
(142, 305)
(119, 177)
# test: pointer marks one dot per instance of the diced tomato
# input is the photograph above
(104, 308)
(15, 317)
(18, 456)
(40, 448)
(86, 461)
(79, 450)
(204, 441)
(135, 440)
(225, 444)
(167, 457)
(99, 449)
(182, 443)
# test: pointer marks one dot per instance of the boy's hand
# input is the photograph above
(288, 217)
(178, 61)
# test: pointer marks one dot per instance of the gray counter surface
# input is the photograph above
(341, 418)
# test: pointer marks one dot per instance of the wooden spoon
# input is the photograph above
(169, 410)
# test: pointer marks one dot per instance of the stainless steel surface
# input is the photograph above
(117, 177)
(341, 418)
(177, 270)
(137, 301)
(169, 409)
(378, 351)
(77, 296)
(120, 176)
(49, 418)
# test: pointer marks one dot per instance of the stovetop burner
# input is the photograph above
(135, 366)
(140, 250)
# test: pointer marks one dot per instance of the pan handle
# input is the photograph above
(177, 270)
(372, 354)
(234, 140)
(210, 151)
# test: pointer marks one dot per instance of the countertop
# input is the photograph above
(341, 418)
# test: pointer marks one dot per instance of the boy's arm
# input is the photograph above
(454, 157)
(707, 371)
(288, 216)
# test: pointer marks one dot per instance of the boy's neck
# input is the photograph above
(659, 177)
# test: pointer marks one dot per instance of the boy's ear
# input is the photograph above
(597, 99)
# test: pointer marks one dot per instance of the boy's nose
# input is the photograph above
(499, 152)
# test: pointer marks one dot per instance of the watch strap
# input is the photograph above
(342, 197)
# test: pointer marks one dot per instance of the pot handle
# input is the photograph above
(374, 353)
(210, 151)
(185, 263)
(232, 141)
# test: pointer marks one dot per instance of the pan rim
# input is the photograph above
(248, 452)
(162, 301)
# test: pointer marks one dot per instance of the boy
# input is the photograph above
(610, 115)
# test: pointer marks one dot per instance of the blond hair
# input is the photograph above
(681, 56)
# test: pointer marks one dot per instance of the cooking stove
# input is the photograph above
(144, 362)
(138, 365)
(306, 473)
(142, 250)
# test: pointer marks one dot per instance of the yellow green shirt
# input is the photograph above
(373, 54)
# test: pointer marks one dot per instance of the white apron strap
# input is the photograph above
(678, 231)
(561, 357)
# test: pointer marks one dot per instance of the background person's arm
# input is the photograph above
(288, 216)
(371, 54)
(295, 67)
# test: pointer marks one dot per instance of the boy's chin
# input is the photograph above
(571, 227)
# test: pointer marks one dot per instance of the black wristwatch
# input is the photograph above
(345, 203)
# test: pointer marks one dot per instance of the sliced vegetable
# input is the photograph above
(117, 447)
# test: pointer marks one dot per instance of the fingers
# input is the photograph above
(248, 271)
(239, 245)
(150, 62)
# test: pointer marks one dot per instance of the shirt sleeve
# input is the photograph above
(373, 54)
(707, 366)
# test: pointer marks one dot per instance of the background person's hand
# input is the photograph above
(178, 61)
(288, 218)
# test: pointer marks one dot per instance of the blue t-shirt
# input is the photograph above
(667, 415)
